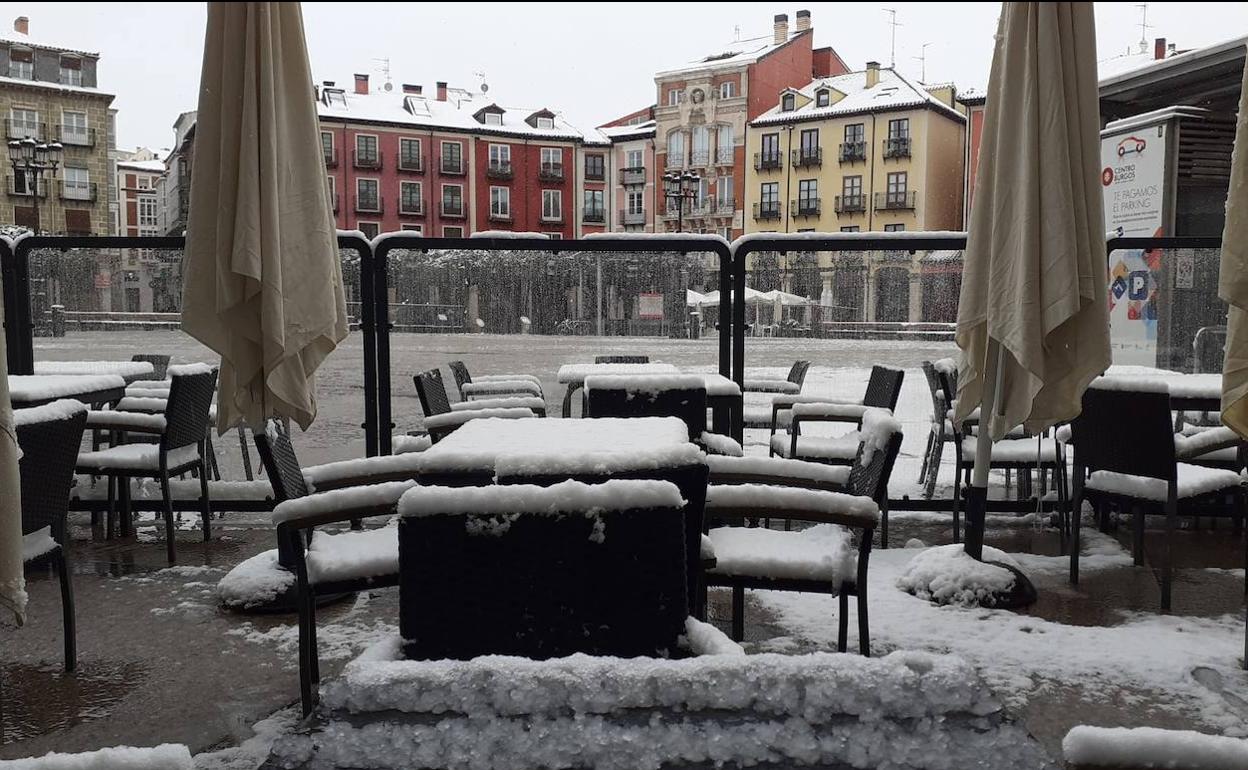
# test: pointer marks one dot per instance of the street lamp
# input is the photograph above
(30, 160)
(680, 187)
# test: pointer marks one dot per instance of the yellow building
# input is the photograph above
(865, 151)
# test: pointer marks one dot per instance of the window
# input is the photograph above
(493, 119)
(22, 63)
(823, 97)
(770, 196)
(147, 210)
(333, 194)
(850, 229)
(452, 232)
(634, 159)
(545, 122)
(675, 97)
(700, 154)
(453, 200)
(808, 196)
(898, 228)
(855, 132)
(411, 200)
(552, 163)
(724, 144)
(702, 192)
(727, 89)
(77, 185)
(71, 71)
(851, 186)
(500, 158)
(74, 128)
(366, 153)
(366, 195)
(452, 158)
(500, 203)
(723, 194)
(327, 146)
(24, 123)
(595, 208)
(636, 203)
(897, 189)
(810, 144)
(771, 149)
(417, 228)
(370, 229)
(899, 128)
(595, 167)
(675, 149)
(145, 183)
(788, 103)
(552, 205)
(409, 155)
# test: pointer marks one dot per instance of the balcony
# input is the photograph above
(453, 208)
(370, 204)
(633, 217)
(675, 160)
(366, 159)
(725, 208)
(412, 206)
(331, 157)
(595, 174)
(805, 207)
(853, 151)
(24, 191)
(767, 161)
(84, 192)
(767, 210)
(594, 215)
(411, 163)
(851, 204)
(550, 172)
(75, 136)
(20, 129)
(895, 201)
(636, 175)
(452, 165)
(807, 157)
(497, 215)
(499, 170)
(725, 156)
(703, 208)
(897, 147)
(700, 158)
(676, 209)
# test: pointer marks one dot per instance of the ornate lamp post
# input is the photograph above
(32, 159)
(680, 187)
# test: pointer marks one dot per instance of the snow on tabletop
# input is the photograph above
(645, 383)
(363, 496)
(117, 419)
(167, 756)
(576, 373)
(705, 639)
(1132, 370)
(363, 467)
(122, 368)
(44, 387)
(1133, 384)
(137, 457)
(599, 462)
(510, 235)
(817, 686)
(142, 404)
(517, 402)
(405, 444)
(1192, 480)
(255, 582)
(451, 419)
(56, 411)
(822, 552)
(1151, 747)
(353, 555)
(183, 370)
(947, 574)
(808, 409)
(782, 499)
(721, 444)
(719, 385)
(1206, 386)
(778, 466)
(37, 544)
(564, 497)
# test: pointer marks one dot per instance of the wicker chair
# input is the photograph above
(159, 362)
(440, 419)
(689, 404)
(760, 416)
(493, 385)
(800, 572)
(941, 433)
(179, 448)
(49, 437)
(1125, 458)
(883, 391)
(621, 359)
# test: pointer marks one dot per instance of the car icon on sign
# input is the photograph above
(1132, 145)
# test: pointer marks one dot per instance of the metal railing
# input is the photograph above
(725, 156)
(411, 206)
(767, 210)
(674, 160)
(370, 204)
(452, 209)
(804, 207)
(850, 204)
(766, 161)
(366, 159)
(853, 151)
(550, 172)
(75, 136)
(331, 157)
(897, 147)
(633, 217)
(77, 191)
(633, 175)
(21, 129)
(895, 201)
(595, 174)
(806, 157)
(500, 216)
(25, 191)
(595, 214)
(413, 163)
(499, 170)
(452, 165)
(700, 158)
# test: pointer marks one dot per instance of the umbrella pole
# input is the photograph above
(977, 493)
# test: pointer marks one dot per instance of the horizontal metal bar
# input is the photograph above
(179, 505)
(945, 505)
(658, 244)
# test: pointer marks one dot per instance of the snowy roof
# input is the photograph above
(734, 55)
(12, 36)
(894, 91)
(81, 90)
(972, 96)
(1118, 68)
(643, 130)
(457, 113)
(152, 166)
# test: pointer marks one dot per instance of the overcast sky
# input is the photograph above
(590, 61)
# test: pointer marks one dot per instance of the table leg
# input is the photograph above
(567, 398)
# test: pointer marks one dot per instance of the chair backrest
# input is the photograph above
(689, 404)
(797, 373)
(186, 412)
(621, 359)
(277, 455)
(160, 364)
(1125, 432)
(432, 392)
(49, 452)
(460, 372)
(870, 479)
(884, 388)
(936, 390)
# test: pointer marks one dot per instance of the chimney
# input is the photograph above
(1159, 48)
(873, 73)
(361, 84)
(441, 90)
(781, 28)
(409, 88)
(803, 21)
(21, 25)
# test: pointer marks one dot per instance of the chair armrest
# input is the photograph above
(535, 403)
(129, 422)
(828, 412)
(363, 471)
(340, 505)
(767, 385)
(776, 471)
(719, 444)
(506, 378)
(501, 387)
(752, 501)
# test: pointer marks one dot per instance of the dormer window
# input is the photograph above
(335, 97)
(822, 98)
(22, 63)
(545, 122)
(788, 103)
(71, 71)
(493, 119)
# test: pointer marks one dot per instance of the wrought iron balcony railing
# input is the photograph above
(331, 157)
(75, 136)
(898, 201)
(853, 151)
(78, 191)
(804, 207)
(371, 204)
(633, 175)
(807, 157)
(550, 172)
(767, 210)
(413, 163)
(766, 161)
(412, 206)
(452, 165)
(637, 217)
(594, 215)
(366, 159)
(897, 147)
(850, 204)
(499, 170)
(700, 158)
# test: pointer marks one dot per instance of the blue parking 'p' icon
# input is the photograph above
(1137, 285)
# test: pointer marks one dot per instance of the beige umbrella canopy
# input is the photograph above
(1233, 279)
(12, 580)
(263, 282)
(1033, 319)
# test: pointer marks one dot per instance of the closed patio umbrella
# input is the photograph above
(12, 581)
(1233, 279)
(1033, 320)
(263, 282)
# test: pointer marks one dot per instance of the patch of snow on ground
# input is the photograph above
(949, 575)
(1151, 747)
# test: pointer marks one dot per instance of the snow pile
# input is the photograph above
(167, 756)
(721, 445)
(948, 575)
(878, 428)
(41, 387)
(453, 419)
(705, 639)
(822, 552)
(1148, 747)
(565, 497)
(644, 383)
(255, 582)
(405, 444)
(777, 501)
(56, 411)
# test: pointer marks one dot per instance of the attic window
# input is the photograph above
(822, 97)
(788, 103)
(335, 97)
(22, 63)
(545, 122)
(493, 119)
(416, 105)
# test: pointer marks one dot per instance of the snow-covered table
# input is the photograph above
(573, 375)
(1188, 392)
(27, 390)
(127, 370)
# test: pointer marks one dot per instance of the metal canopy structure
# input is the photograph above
(1206, 77)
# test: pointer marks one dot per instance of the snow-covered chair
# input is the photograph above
(159, 362)
(763, 415)
(49, 437)
(941, 432)
(179, 447)
(493, 385)
(820, 559)
(624, 359)
(883, 391)
(1125, 457)
(441, 420)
